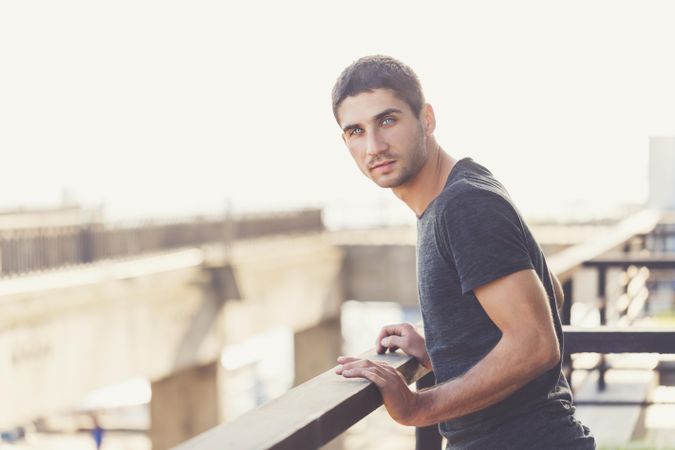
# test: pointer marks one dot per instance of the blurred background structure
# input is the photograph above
(184, 238)
(156, 332)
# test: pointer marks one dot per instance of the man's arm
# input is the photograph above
(518, 305)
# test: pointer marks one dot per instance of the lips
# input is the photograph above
(382, 165)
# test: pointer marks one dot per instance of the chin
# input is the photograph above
(388, 183)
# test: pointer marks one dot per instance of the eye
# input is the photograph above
(388, 121)
(355, 131)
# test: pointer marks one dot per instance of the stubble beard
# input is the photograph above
(413, 164)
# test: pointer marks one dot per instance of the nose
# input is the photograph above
(376, 143)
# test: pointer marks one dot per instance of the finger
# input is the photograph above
(365, 372)
(386, 369)
(394, 329)
(351, 363)
(342, 360)
(346, 359)
(359, 363)
(385, 331)
(387, 374)
(375, 378)
(393, 342)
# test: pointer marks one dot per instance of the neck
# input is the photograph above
(429, 181)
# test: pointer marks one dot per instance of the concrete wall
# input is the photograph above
(58, 344)
(184, 405)
(66, 333)
(381, 273)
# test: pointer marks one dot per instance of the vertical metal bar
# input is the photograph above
(427, 438)
(566, 310)
(566, 319)
(86, 254)
(602, 297)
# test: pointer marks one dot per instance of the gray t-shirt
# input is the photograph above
(469, 235)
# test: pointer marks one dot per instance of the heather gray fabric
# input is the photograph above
(469, 235)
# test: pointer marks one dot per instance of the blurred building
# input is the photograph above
(662, 172)
(68, 214)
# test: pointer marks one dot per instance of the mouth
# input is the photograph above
(383, 165)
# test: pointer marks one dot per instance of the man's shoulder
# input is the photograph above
(466, 193)
(471, 182)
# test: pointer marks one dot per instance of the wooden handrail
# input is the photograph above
(568, 261)
(309, 415)
(619, 340)
(652, 261)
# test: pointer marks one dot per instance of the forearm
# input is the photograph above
(509, 366)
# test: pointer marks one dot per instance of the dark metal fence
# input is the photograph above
(312, 414)
(662, 238)
(34, 249)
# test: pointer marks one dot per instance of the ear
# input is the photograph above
(428, 119)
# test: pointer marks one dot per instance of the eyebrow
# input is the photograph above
(378, 116)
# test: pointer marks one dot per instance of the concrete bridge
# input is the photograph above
(167, 316)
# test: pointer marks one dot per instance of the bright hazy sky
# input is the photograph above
(165, 108)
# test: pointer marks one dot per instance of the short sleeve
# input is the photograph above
(485, 237)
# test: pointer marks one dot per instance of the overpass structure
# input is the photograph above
(168, 316)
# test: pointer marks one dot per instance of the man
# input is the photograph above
(492, 334)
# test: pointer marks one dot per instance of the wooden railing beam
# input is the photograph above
(653, 261)
(619, 340)
(309, 415)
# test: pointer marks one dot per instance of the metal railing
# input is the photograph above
(312, 414)
(33, 249)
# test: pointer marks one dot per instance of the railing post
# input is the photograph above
(566, 310)
(602, 297)
(427, 438)
(86, 245)
(566, 319)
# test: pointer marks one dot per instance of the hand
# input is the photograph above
(405, 337)
(400, 401)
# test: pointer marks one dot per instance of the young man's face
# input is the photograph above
(385, 138)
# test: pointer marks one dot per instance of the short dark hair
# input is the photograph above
(379, 72)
